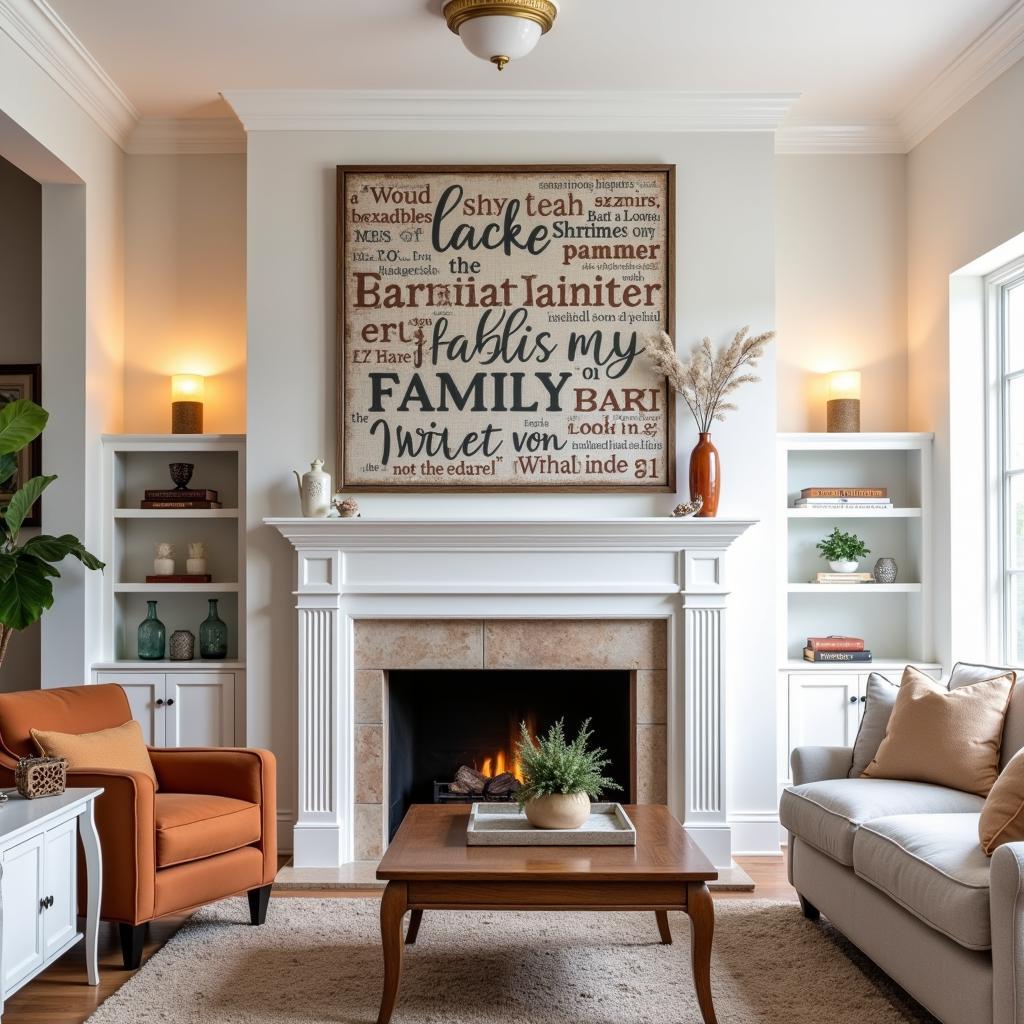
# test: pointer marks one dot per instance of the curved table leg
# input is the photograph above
(94, 883)
(414, 927)
(663, 929)
(702, 928)
(392, 913)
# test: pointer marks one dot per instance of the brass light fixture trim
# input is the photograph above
(544, 12)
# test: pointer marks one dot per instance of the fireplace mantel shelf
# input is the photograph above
(660, 533)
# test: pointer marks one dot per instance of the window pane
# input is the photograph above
(1015, 423)
(1015, 524)
(1015, 625)
(1015, 327)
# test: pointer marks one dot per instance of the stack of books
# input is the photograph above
(843, 577)
(835, 648)
(181, 497)
(844, 497)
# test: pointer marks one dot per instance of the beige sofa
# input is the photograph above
(897, 868)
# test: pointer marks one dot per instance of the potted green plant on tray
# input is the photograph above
(26, 569)
(560, 778)
(842, 551)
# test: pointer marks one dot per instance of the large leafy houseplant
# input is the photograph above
(27, 570)
(559, 777)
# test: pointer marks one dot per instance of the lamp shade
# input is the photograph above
(187, 391)
(844, 384)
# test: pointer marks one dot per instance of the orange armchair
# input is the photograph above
(208, 831)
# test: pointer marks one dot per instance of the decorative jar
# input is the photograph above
(213, 635)
(152, 636)
(183, 645)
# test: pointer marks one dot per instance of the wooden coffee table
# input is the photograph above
(428, 866)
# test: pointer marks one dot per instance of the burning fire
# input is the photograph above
(505, 760)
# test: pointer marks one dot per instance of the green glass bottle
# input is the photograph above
(152, 636)
(213, 635)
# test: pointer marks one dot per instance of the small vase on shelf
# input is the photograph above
(705, 476)
(152, 636)
(213, 635)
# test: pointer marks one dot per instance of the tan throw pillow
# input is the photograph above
(121, 748)
(1002, 817)
(946, 737)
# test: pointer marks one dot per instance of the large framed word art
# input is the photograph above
(492, 323)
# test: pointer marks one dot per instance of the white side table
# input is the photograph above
(38, 884)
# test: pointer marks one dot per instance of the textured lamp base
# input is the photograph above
(186, 417)
(843, 416)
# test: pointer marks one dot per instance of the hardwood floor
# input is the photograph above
(60, 996)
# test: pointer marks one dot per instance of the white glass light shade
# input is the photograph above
(844, 384)
(499, 36)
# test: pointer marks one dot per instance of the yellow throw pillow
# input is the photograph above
(946, 737)
(121, 748)
(1002, 817)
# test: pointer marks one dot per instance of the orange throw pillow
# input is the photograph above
(121, 748)
(946, 737)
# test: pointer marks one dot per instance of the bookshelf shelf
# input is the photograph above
(853, 513)
(872, 589)
(175, 588)
(175, 513)
(820, 703)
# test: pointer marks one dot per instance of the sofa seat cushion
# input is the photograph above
(827, 814)
(933, 866)
(191, 826)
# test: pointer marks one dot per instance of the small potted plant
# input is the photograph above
(560, 778)
(842, 551)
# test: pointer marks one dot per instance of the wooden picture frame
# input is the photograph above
(23, 380)
(513, 276)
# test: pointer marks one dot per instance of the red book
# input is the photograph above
(179, 504)
(835, 643)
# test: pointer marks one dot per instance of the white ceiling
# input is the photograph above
(851, 60)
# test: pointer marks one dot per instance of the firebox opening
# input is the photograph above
(439, 721)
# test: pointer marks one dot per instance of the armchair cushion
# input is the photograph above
(191, 826)
(119, 748)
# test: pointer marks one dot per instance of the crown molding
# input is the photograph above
(40, 32)
(455, 110)
(871, 137)
(996, 50)
(159, 135)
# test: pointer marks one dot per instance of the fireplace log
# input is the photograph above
(501, 785)
(469, 780)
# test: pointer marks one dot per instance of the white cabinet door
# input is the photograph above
(824, 708)
(145, 692)
(60, 866)
(22, 922)
(200, 709)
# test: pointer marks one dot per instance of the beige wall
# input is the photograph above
(185, 287)
(965, 191)
(841, 285)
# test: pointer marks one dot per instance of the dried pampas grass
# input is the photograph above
(705, 379)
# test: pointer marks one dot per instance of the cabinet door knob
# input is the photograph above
(170, 701)
(864, 699)
(43, 904)
(853, 700)
(159, 702)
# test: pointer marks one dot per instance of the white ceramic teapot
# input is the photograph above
(315, 490)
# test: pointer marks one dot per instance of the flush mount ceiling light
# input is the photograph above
(500, 30)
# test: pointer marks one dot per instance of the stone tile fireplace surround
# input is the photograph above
(383, 645)
(645, 594)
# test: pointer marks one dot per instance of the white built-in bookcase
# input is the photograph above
(205, 696)
(821, 703)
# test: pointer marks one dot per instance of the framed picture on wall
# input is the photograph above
(23, 380)
(492, 324)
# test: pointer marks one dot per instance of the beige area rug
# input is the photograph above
(319, 960)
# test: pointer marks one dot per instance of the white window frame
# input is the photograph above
(1001, 574)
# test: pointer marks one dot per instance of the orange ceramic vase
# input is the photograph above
(705, 475)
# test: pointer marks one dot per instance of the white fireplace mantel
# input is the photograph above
(646, 568)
